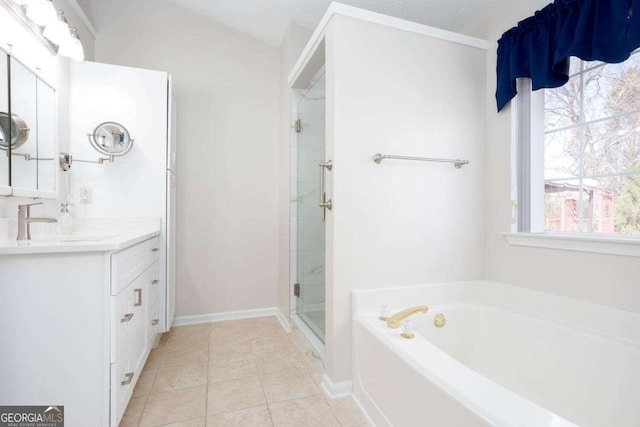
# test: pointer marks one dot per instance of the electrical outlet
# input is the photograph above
(86, 195)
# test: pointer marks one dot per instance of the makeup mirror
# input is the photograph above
(111, 139)
(16, 129)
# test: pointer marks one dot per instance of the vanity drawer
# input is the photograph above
(128, 264)
(123, 316)
(129, 310)
(123, 380)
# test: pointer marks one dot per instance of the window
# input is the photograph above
(578, 151)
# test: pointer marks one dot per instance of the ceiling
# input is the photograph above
(267, 20)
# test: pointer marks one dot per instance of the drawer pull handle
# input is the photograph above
(138, 294)
(155, 249)
(127, 379)
(155, 321)
(155, 282)
(127, 317)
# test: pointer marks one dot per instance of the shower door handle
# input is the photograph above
(324, 203)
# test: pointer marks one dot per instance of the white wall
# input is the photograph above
(133, 185)
(400, 223)
(227, 86)
(602, 279)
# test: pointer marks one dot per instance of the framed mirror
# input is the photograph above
(28, 136)
(24, 171)
(4, 135)
(111, 139)
(47, 165)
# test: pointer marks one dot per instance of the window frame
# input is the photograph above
(527, 186)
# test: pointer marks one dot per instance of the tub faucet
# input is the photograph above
(25, 220)
(395, 320)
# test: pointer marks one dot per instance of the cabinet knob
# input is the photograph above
(155, 321)
(127, 317)
(155, 282)
(138, 294)
(155, 249)
(127, 378)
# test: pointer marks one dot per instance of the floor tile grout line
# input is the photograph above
(148, 395)
(265, 393)
(261, 374)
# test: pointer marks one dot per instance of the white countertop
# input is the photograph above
(64, 243)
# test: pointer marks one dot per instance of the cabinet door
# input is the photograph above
(138, 340)
(129, 339)
(122, 319)
(123, 379)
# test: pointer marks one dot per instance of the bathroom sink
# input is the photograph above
(64, 243)
(82, 239)
(72, 238)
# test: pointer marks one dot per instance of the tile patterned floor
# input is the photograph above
(237, 373)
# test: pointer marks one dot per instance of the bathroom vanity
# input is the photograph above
(79, 316)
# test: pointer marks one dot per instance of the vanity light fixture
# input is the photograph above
(41, 12)
(48, 25)
(58, 31)
(72, 46)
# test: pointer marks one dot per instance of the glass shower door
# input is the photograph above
(310, 226)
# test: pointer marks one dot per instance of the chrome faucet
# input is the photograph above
(25, 220)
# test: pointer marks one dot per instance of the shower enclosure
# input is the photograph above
(307, 215)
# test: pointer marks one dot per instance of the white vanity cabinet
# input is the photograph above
(134, 318)
(77, 327)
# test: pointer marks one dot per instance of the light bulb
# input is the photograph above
(72, 47)
(41, 12)
(58, 31)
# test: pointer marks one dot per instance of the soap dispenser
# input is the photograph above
(65, 223)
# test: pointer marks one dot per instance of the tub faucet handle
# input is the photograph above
(385, 312)
(395, 321)
(407, 329)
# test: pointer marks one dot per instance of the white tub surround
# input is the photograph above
(506, 356)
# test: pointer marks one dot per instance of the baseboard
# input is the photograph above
(335, 390)
(284, 320)
(364, 411)
(227, 315)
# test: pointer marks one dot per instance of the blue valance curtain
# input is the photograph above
(540, 46)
